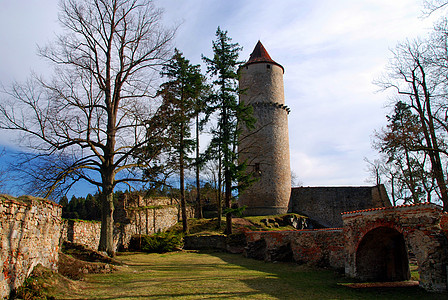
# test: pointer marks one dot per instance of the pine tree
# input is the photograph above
(180, 97)
(223, 68)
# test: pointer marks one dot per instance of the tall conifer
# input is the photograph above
(180, 96)
(223, 68)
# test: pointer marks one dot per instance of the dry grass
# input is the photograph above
(200, 275)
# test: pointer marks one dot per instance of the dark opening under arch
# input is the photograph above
(382, 256)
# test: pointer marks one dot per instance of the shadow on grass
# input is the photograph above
(212, 275)
(205, 295)
(292, 281)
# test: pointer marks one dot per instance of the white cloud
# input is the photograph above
(331, 51)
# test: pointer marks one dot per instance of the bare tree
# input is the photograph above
(91, 121)
(295, 181)
(375, 169)
(430, 6)
(417, 73)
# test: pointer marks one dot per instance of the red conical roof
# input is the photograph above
(260, 55)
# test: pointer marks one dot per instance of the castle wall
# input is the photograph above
(153, 220)
(143, 220)
(82, 232)
(326, 204)
(29, 234)
(320, 247)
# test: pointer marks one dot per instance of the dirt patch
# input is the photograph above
(85, 254)
(76, 260)
(74, 268)
(73, 265)
(240, 222)
(43, 282)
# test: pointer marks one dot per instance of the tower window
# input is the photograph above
(268, 66)
(257, 169)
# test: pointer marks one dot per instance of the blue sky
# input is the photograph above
(331, 52)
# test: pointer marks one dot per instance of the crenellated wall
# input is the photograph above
(29, 235)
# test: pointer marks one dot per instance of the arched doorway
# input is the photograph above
(382, 256)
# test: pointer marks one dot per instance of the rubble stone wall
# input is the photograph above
(321, 247)
(421, 227)
(82, 232)
(145, 220)
(29, 233)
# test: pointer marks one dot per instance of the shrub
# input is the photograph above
(156, 243)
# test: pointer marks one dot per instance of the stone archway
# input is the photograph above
(376, 241)
(381, 256)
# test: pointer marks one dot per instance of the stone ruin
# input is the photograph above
(32, 230)
(378, 243)
(372, 245)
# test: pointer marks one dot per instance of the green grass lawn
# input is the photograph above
(198, 275)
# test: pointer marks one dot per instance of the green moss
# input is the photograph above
(201, 227)
(210, 226)
(275, 222)
(414, 272)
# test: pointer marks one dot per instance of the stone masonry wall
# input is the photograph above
(321, 247)
(422, 227)
(140, 221)
(325, 204)
(82, 232)
(29, 233)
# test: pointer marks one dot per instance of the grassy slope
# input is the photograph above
(190, 275)
(209, 226)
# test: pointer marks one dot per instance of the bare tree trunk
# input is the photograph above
(227, 174)
(107, 222)
(219, 192)
(198, 183)
(228, 197)
(392, 183)
(183, 203)
(427, 123)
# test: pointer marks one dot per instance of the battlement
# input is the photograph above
(272, 104)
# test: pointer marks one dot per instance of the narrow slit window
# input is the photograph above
(257, 169)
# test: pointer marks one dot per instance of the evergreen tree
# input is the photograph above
(180, 96)
(223, 67)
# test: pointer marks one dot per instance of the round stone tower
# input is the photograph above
(266, 147)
